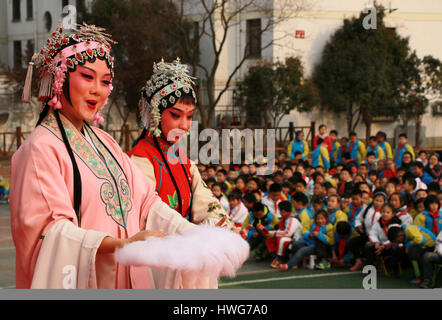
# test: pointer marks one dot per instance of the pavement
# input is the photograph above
(7, 250)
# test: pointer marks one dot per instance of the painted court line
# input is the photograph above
(286, 278)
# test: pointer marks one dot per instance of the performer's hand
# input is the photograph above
(143, 235)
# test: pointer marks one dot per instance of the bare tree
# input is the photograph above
(214, 22)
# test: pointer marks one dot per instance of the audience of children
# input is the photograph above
(341, 206)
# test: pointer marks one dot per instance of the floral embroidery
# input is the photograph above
(173, 201)
(115, 192)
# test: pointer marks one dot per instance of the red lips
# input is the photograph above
(92, 104)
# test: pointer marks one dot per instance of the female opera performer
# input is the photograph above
(167, 106)
(75, 195)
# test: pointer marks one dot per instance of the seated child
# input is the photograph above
(303, 213)
(379, 245)
(335, 214)
(217, 192)
(238, 211)
(289, 228)
(258, 224)
(355, 208)
(318, 240)
(341, 253)
(431, 258)
(363, 225)
(399, 203)
(431, 217)
(417, 241)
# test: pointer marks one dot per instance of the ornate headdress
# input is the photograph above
(169, 82)
(63, 53)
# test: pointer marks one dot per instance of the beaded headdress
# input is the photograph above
(62, 53)
(169, 82)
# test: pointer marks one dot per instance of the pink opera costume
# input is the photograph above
(72, 190)
(176, 178)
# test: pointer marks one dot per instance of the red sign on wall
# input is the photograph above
(300, 34)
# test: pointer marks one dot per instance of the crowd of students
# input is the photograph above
(343, 205)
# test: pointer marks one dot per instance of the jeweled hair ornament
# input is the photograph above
(169, 82)
(62, 53)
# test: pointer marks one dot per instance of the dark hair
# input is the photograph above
(389, 205)
(334, 132)
(222, 171)
(322, 126)
(321, 212)
(235, 195)
(334, 195)
(382, 134)
(249, 197)
(403, 135)
(372, 138)
(431, 199)
(356, 192)
(343, 228)
(275, 187)
(300, 197)
(258, 206)
(393, 233)
(217, 184)
(317, 200)
(302, 182)
(411, 181)
(371, 154)
(394, 181)
(402, 198)
(433, 186)
(373, 173)
(353, 134)
(285, 206)
(319, 141)
(418, 164)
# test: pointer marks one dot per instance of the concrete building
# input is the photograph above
(306, 34)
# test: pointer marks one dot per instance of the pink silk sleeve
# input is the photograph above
(39, 198)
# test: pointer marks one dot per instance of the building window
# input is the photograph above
(16, 10)
(30, 48)
(18, 56)
(253, 41)
(437, 108)
(47, 21)
(64, 3)
(29, 9)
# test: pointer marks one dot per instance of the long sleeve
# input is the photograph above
(410, 149)
(327, 237)
(289, 150)
(388, 151)
(325, 158)
(39, 198)
(381, 155)
(68, 259)
(362, 152)
(306, 151)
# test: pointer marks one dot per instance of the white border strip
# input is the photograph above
(286, 278)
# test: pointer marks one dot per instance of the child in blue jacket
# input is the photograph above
(318, 241)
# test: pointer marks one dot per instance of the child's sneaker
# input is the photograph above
(357, 266)
(416, 282)
(323, 265)
(275, 264)
(425, 284)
